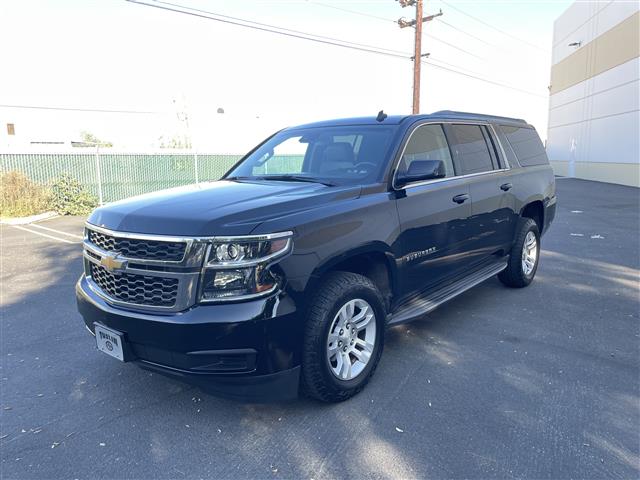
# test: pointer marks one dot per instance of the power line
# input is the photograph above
(493, 27)
(387, 20)
(486, 80)
(461, 68)
(479, 39)
(467, 33)
(464, 69)
(270, 28)
(73, 109)
(354, 12)
(305, 36)
(456, 47)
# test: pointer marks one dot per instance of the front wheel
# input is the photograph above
(524, 257)
(344, 336)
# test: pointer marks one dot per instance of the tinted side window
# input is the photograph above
(526, 144)
(427, 143)
(471, 149)
(511, 155)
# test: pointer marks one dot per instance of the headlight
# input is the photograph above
(237, 268)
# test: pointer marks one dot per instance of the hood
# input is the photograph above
(216, 208)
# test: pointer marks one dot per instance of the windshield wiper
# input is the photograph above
(285, 178)
(297, 178)
(239, 178)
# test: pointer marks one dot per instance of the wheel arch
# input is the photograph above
(373, 260)
(534, 209)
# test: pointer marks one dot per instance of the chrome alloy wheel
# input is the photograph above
(529, 253)
(352, 337)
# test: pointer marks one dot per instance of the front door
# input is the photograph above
(433, 215)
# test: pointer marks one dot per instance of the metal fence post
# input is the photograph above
(195, 161)
(99, 175)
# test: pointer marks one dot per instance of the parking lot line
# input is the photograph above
(56, 231)
(43, 234)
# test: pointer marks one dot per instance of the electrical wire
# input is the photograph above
(354, 12)
(439, 20)
(73, 109)
(431, 58)
(270, 28)
(386, 20)
(494, 27)
(454, 46)
(486, 80)
(311, 37)
(266, 25)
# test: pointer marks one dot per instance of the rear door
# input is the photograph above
(433, 214)
(490, 227)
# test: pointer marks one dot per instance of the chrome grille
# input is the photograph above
(136, 289)
(143, 271)
(138, 248)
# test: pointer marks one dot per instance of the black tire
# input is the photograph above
(337, 289)
(514, 275)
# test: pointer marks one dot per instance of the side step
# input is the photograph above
(430, 301)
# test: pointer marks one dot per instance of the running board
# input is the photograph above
(425, 304)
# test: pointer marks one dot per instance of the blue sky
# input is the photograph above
(112, 54)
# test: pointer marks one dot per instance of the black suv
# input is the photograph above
(284, 274)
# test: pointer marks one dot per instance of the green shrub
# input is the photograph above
(70, 197)
(20, 197)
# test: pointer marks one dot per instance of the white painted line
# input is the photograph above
(60, 232)
(43, 234)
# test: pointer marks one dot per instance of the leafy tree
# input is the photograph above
(176, 141)
(91, 140)
(70, 197)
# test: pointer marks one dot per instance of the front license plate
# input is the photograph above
(109, 342)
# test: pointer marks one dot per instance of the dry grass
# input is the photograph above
(20, 197)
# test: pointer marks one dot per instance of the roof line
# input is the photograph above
(480, 115)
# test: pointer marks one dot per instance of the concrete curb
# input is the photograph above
(26, 220)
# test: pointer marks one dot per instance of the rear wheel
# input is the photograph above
(343, 337)
(524, 257)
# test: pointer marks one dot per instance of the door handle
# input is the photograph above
(506, 186)
(461, 198)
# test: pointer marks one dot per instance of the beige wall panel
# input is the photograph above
(614, 47)
(622, 173)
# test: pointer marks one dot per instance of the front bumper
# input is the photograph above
(249, 350)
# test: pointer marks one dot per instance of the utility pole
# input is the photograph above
(418, 55)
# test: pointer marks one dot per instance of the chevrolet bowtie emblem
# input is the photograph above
(112, 263)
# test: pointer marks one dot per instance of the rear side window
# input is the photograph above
(526, 144)
(471, 150)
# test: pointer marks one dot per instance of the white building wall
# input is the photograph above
(594, 125)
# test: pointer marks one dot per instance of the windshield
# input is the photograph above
(343, 155)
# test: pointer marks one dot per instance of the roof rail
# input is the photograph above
(478, 115)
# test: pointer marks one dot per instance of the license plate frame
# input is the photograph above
(110, 342)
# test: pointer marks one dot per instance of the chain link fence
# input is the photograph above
(112, 176)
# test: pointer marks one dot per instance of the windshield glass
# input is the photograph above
(351, 154)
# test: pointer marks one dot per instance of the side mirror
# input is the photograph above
(420, 170)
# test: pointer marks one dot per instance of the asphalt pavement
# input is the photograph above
(542, 382)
